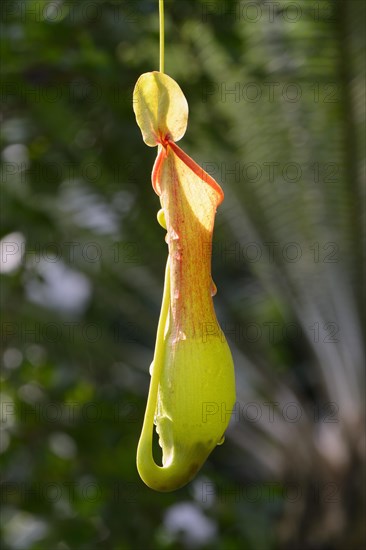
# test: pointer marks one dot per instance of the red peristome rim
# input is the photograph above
(156, 171)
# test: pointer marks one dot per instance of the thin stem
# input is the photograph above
(162, 33)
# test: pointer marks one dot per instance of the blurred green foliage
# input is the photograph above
(276, 96)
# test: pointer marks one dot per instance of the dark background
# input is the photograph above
(276, 96)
